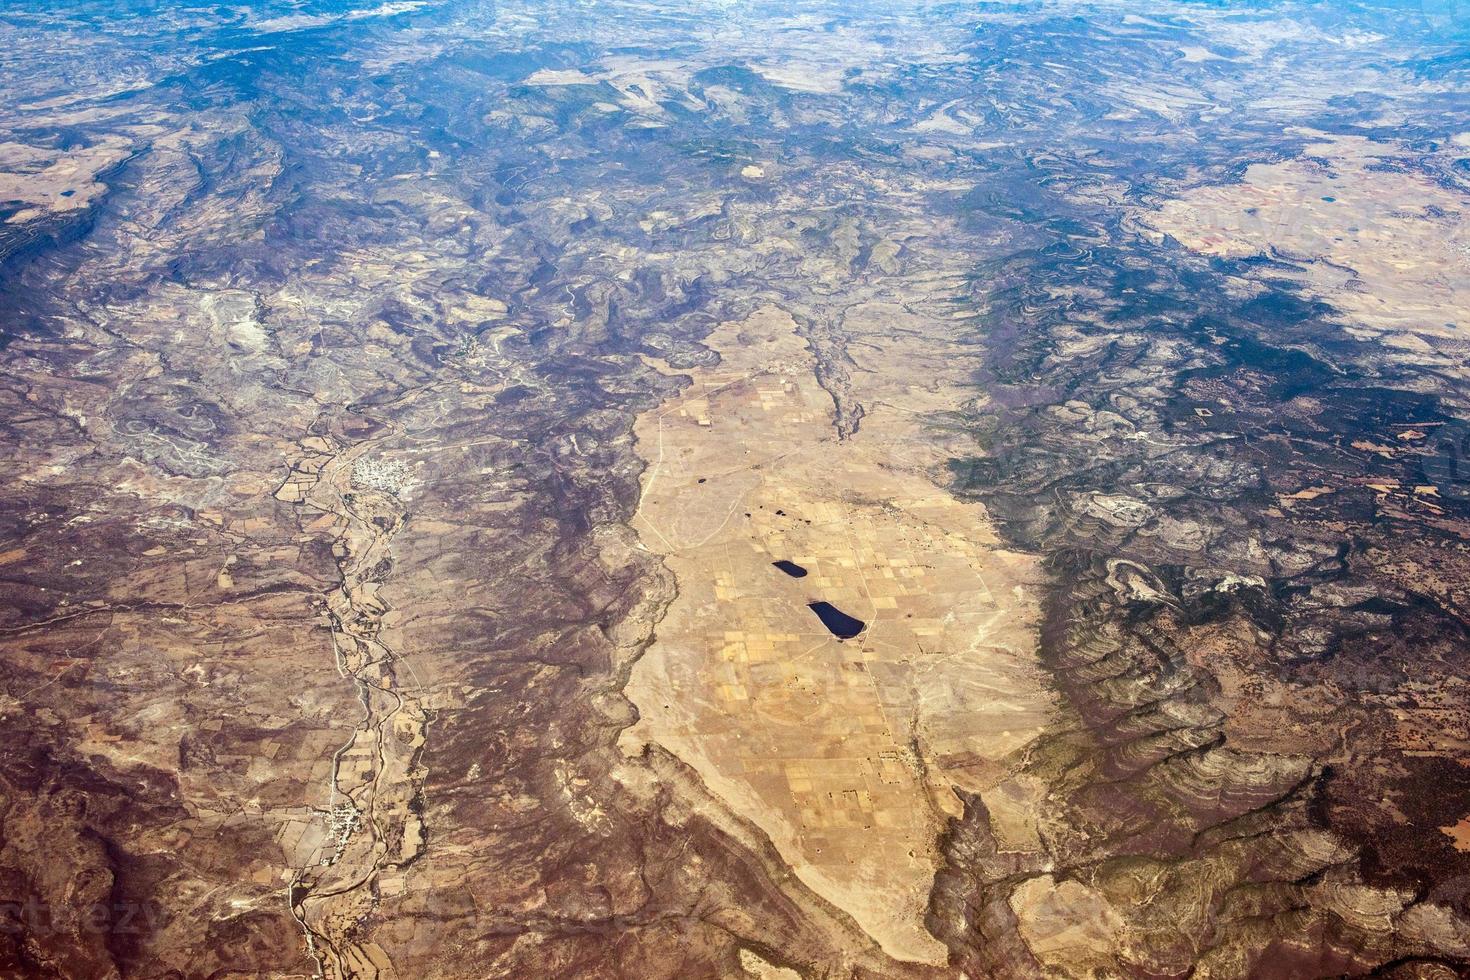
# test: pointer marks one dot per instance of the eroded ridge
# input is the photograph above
(1248, 492)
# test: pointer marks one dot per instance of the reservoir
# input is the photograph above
(838, 623)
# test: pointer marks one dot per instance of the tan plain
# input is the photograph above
(842, 752)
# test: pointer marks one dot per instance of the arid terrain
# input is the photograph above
(842, 748)
(624, 490)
